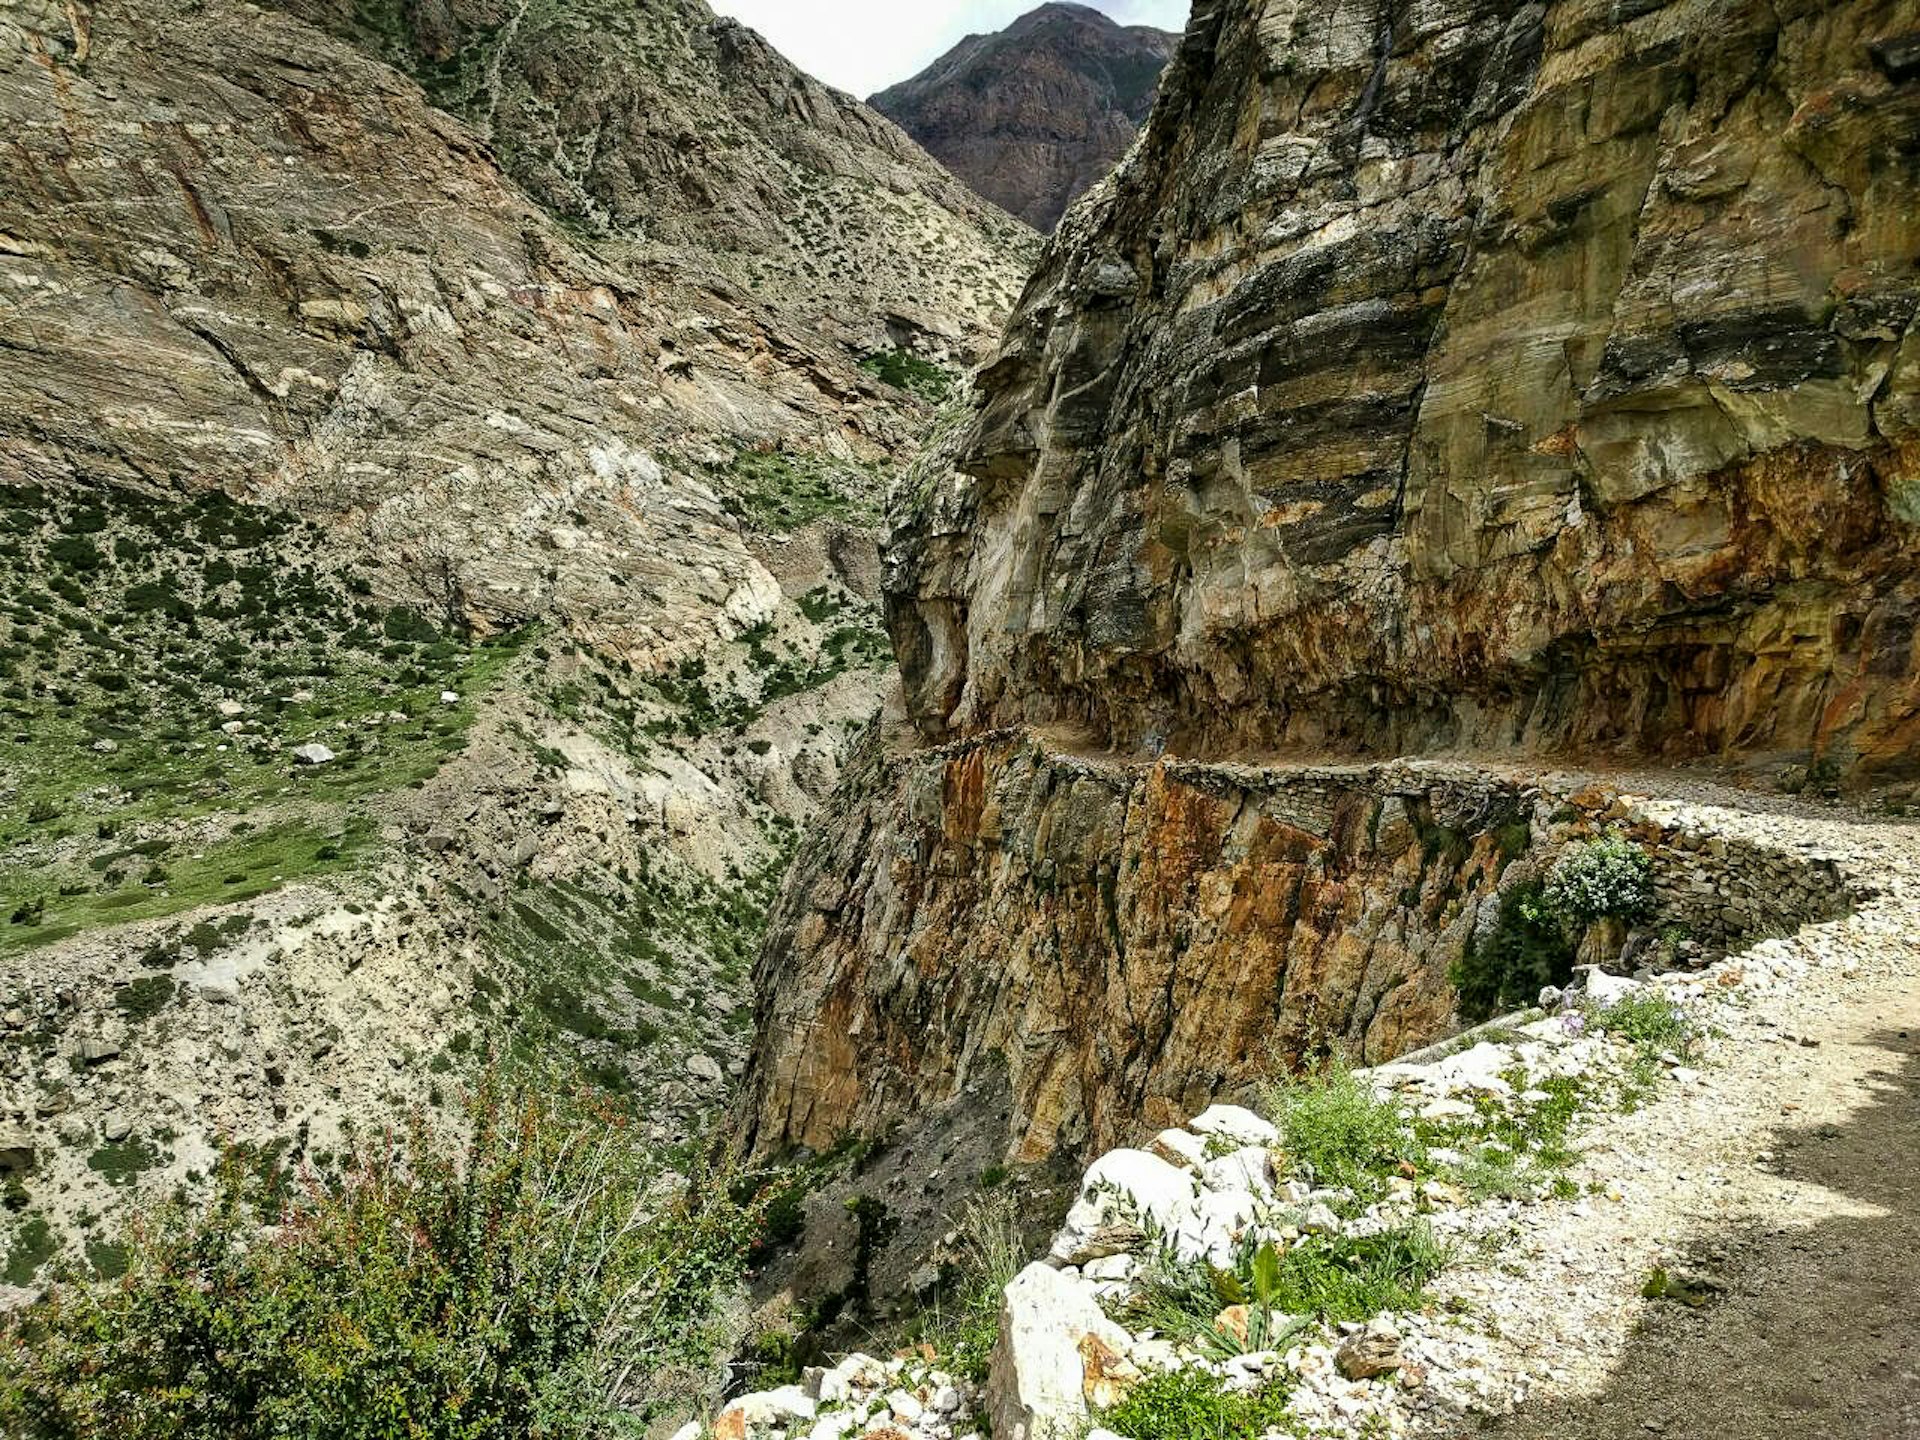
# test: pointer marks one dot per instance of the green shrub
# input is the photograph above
(542, 1278)
(1527, 951)
(1193, 1404)
(1341, 1131)
(1610, 878)
(1534, 944)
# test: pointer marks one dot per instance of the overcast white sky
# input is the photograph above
(866, 45)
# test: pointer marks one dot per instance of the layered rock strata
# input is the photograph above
(1538, 376)
(1132, 940)
(1476, 379)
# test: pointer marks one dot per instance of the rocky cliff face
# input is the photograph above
(1387, 402)
(438, 562)
(1498, 377)
(1034, 115)
(1130, 941)
(1538, 379)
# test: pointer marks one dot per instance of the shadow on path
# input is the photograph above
(1817, 1334)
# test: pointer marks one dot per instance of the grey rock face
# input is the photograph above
(1486, 376)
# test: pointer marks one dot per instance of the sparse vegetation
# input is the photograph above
(782, 492)
(991, 1253)
(177, 654)
(1340, 1132)
(542, 1276)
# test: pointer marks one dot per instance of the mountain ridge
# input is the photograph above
(1032, 115)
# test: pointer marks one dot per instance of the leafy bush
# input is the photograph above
(1527, 951)
(1193, 1404)
(1610, 878)
(1541, 922)
(545, 1277)
(1347, 1136)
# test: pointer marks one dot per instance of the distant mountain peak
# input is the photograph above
(1033, 115)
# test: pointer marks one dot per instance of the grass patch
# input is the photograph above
(966, 1323)
(780, 492)
(1518, 1148)
(33, 1245)
(1648, 1019)
(125, 1159)
(1330, 1278)
(1342, 1133)
(126, 623)
(907, 371)
(266, 859)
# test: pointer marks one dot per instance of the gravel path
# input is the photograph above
(1783, 1187)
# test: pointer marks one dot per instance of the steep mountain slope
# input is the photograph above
(690, 140)
(426, 622)
(1033, 115)
(1538, 380)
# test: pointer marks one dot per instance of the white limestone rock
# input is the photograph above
(1050, 1323)
(1235, 1123)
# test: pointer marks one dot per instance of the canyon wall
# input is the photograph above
(1536, 380)
(1131, 940)
(1484, 375)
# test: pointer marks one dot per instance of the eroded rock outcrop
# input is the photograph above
(1131, 940)
(1480, 376)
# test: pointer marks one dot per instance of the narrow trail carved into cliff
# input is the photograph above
(1817, 1246)
(1780, 1184)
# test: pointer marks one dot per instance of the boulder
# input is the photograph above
(1370, 1352)
(1235, 1123)
(17, 1154)
(1211, 1230)
(1603, 989)
(1055, 1344)
(763, 1410)
(1180, 1147)
(312, 753)
(1130, 1186)
(1249, 1168)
